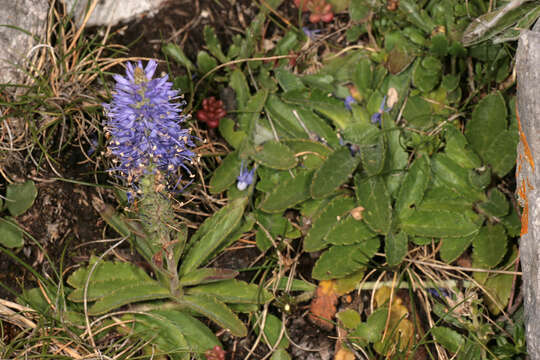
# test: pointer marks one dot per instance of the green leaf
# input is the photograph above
(395, 248)
(20, 197)
(512, 223)
(487, 122)
(439, 45)
(226, 173)
(176, 53)
(325, 221)
(438, 223)
(457, 148)
(239, 83)
(160, 331)
(489, 245)
(311, 153)
(340, 261)
(274, 224)
(316, 125)
(358, 10)
(107, 271)
(272, 330)
(396, 156)
(425, 75)
(227, 130)
(205, 62)
(12, 235)
(269, 179)
(373, 196)
(207, 275)
(280, 354)
(216, 311)
(501, 153)
(134, 292)
(275, 156)
(452, 248)
(500, 287)
(212, 233)
(283, 117)
(492, 23)
(287, 80)
(418, 113)
(213, 44)
(117, 221)
(450, 339)
(371, 331)
(349, 318)
(373, 154)
(199, 337)
(252, 111)
(232, 291)
(348, 231)
(323, 82)
(288, 193)
(455, 177)
(497, 205)
(330, 107)
(413, 187)
(333, 173)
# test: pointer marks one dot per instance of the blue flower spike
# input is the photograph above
(245, 178)
(144, 124)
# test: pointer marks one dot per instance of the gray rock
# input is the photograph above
(17, 45)
(528, 180)
(111, 12)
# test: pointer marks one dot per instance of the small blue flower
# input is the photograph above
(377, 117)
(312, 34)
(245, 178)
(349, 100)
(437, 292)
(143, 121)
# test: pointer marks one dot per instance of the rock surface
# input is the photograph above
(528, 180)
(111, 12)
(17, 45)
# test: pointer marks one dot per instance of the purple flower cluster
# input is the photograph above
(144, 124)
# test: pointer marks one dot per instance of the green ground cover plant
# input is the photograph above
(386, 157)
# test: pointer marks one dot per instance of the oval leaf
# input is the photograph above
(226, 173)
(333, 173)
(340, 261)
(396, 248)
(438, 223)
(288, 193)
(448, 338)
(451, 249)
(413, 187)
(11, 235)
(275, 155)
(489, 245)
(487, 122)
(348, 231)
(325, 221)
(374, 197)
(20, 197)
